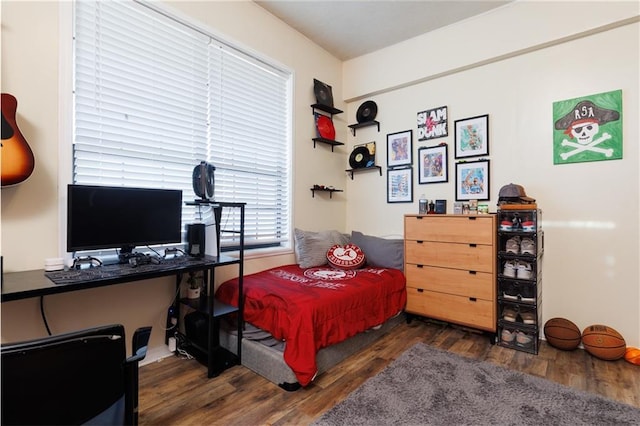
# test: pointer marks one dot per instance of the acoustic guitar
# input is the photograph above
(16, 155)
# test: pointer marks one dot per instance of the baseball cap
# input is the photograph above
(513, 194)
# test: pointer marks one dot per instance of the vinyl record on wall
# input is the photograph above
(359, 157)
(367, 112)
(324, 95)
(325, 128)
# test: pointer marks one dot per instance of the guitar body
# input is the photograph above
(16, 156)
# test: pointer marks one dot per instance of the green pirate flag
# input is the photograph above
(588, 129)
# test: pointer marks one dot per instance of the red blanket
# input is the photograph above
(313, 308)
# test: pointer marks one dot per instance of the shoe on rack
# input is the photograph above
(513, 245)
(507, 336)
(528, 226)
(523, 339)
(524, 270)
(510, 267)
(506, 225)
(527, 293)
(527, 246)
(509, 315)
(528, 317)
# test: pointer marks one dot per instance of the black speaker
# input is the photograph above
(196, 239)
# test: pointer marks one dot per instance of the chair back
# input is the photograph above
(72, 378)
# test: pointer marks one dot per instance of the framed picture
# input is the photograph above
(472, 180)
(432, 123)
(400, 148)
(400, 185)
(472, 136)
(432, 164)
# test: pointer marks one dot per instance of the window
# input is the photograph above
(154, 96)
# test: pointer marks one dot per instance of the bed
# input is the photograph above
(303, 318)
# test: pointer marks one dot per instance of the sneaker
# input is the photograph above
(523, 339)
(506, 225)
(510, 267)
(528, 226)
(509, 315)
(527, 246)
(513, 245)
(527, 293)
(507, 336)
(524, 270)
(528, 317)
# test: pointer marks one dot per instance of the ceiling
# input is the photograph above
(348, 29)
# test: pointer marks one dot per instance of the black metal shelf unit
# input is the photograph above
(208, 308)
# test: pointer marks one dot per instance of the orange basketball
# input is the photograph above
(603, 342)
(562, 334)
(632, 355)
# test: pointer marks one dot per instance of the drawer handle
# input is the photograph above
(472, 272)
(473, 299)
(473, 245)
(472, 218)
(419, 217)
(420, 242)
(420, 290)
(420, 266)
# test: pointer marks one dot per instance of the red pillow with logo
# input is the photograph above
(349, 256)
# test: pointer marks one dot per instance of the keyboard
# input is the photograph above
(109, 272)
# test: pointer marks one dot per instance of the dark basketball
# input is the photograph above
(562, 334)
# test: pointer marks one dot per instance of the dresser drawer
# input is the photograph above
(462, 310)
(470, 257)
(478, 229)
(453, 281)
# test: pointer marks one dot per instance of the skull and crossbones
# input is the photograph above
(583, 124)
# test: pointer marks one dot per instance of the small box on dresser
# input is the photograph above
(450, 263)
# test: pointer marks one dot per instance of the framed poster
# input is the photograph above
(400, 148)
(400, 185)
(472, 180)
(432, 124)
(433, 164)
(588, 128)
(472, 136)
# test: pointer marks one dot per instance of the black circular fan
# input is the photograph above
(367, 112)
(203, 180)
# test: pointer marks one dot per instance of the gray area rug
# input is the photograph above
(428, 386)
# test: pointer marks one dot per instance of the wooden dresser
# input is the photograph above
(450, 265)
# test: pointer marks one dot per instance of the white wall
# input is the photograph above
(34, 52)
(590, 210)
(590, 274)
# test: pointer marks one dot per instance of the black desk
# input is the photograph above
(23, 285)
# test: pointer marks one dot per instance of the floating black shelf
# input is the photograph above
(327, 141)
(329, 190)
(326, 108)
(350, 171)
(353, 127)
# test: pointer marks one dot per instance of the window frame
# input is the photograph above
(66, 114)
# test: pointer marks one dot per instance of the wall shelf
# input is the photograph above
(329, 190)
(327, 141)
(325, 108)
(353, 127)
(350, 171)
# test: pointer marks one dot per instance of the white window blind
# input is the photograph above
(154, 96)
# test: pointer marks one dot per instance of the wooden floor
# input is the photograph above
(176, 391)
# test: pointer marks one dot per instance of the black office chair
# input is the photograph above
(82, 377)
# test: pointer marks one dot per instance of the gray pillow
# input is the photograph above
(311, 247)
(380, 252)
